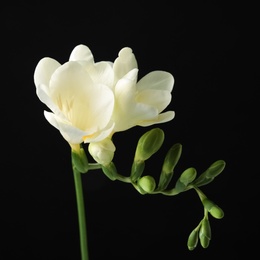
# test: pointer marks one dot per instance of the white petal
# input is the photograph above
(161, 80)
(81, 53)
(44, 70)
(83, 103)
(124, 63)
(161, 118)
(70, 133)
(156, 98)
(102, 72)
(100, 135)
(42, 93)
(128, 112)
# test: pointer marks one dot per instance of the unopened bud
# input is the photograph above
(213, 209)
(148, 144)
(172, 157)
(205, 233)
(147, 184)
(193, 239)
(103, 151)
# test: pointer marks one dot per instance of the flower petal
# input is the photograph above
(161, 118)
(124, 63)
(81, 53)
(155, 98)
(83, 103)
(42, 93)
(128, 112)
(44, 70)
(70, 133)
(161, 80)
(102, 72)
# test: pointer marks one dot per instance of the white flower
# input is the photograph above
(90, 101)
(79, 95)
(139, 102)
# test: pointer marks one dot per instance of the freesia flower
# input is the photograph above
(90, 101)
(78, 95)
(139, 102)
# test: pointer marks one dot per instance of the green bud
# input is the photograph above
(171, 159)
(193, 239)
(188, 176)
(110, 171)
(137, 170)
(185, 179)
(147, 184)
(165, 179)
(148, 144)
(215, 169)
(216, 212)
(208, 176)
(205, 233)
(213, 209)
(80, 160)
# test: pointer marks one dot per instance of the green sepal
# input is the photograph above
(137, 170)
(205, 233)
(110, 171)
(80, 160)
(208, 176)
(213, 209)
(185, 179)
(171, 159)
(193, 239)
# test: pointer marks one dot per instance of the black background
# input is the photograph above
(210, 48)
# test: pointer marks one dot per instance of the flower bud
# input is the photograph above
(171, 159)
(193, 239)
(205, 233)
(148, 144)
(185, 179)
(208, 176)
(147, 184)
(103, 151)
(188, 176)
(213, 209)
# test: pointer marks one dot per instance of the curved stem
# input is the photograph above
(81, 214)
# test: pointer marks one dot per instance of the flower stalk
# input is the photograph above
(81, 214)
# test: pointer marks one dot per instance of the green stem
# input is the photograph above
(81, 214)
